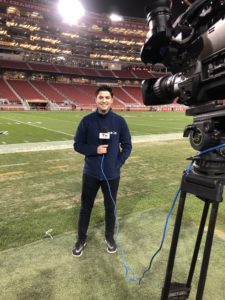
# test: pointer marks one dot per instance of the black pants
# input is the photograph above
(90, 187)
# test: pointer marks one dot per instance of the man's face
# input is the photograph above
(104, 101)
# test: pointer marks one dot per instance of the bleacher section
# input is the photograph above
(68, 70)
(6, 92)
(73, 93)
(142, 74)
(61, 69)
(67, 95)
(124, 96)
(42, 67)
(106, 73)
(86, 93)
(51, 93)
(135, 93)
(60, 93)
(25, 90)
(90, 72)
(80, 95)
(15, 65)
(123, 74)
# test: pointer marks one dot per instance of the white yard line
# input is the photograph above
(58, 145)
(14, 165)
(30, 124)
(157, 137)
(31, 147)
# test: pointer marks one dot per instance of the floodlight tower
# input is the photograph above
(71, 11)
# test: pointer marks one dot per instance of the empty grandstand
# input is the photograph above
(47, 64)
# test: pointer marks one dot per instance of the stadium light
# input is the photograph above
(115, 18)
(60, 57)
(71, 11)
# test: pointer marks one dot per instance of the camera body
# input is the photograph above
(193, 50)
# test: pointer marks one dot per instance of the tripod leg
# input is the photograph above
(173, 247)
(198, 243)
(207, 250)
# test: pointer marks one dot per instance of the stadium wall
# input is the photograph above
(175, 108)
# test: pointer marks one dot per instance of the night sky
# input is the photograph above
(130, 8)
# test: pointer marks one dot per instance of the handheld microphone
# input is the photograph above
(104, 136)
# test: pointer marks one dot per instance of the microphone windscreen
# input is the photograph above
(104, 136)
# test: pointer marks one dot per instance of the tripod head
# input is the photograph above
(208, 130)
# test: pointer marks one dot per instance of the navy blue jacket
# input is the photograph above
(87, 140)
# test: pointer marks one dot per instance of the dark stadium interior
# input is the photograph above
(47, 64)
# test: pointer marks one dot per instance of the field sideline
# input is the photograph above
(56, 145)
(40, 190)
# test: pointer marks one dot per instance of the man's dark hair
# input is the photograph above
(104, 88)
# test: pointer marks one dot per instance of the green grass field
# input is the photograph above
(41, 191)
(24, 127)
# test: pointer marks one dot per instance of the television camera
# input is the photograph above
(192, 47)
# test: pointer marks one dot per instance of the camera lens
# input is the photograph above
(163, 90)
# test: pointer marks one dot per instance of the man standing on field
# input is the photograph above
(104, 138)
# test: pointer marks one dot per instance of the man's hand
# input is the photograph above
(102, 149)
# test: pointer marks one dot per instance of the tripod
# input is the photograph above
(206, 182)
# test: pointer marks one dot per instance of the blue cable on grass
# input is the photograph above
(165, 227)
(126, 268)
